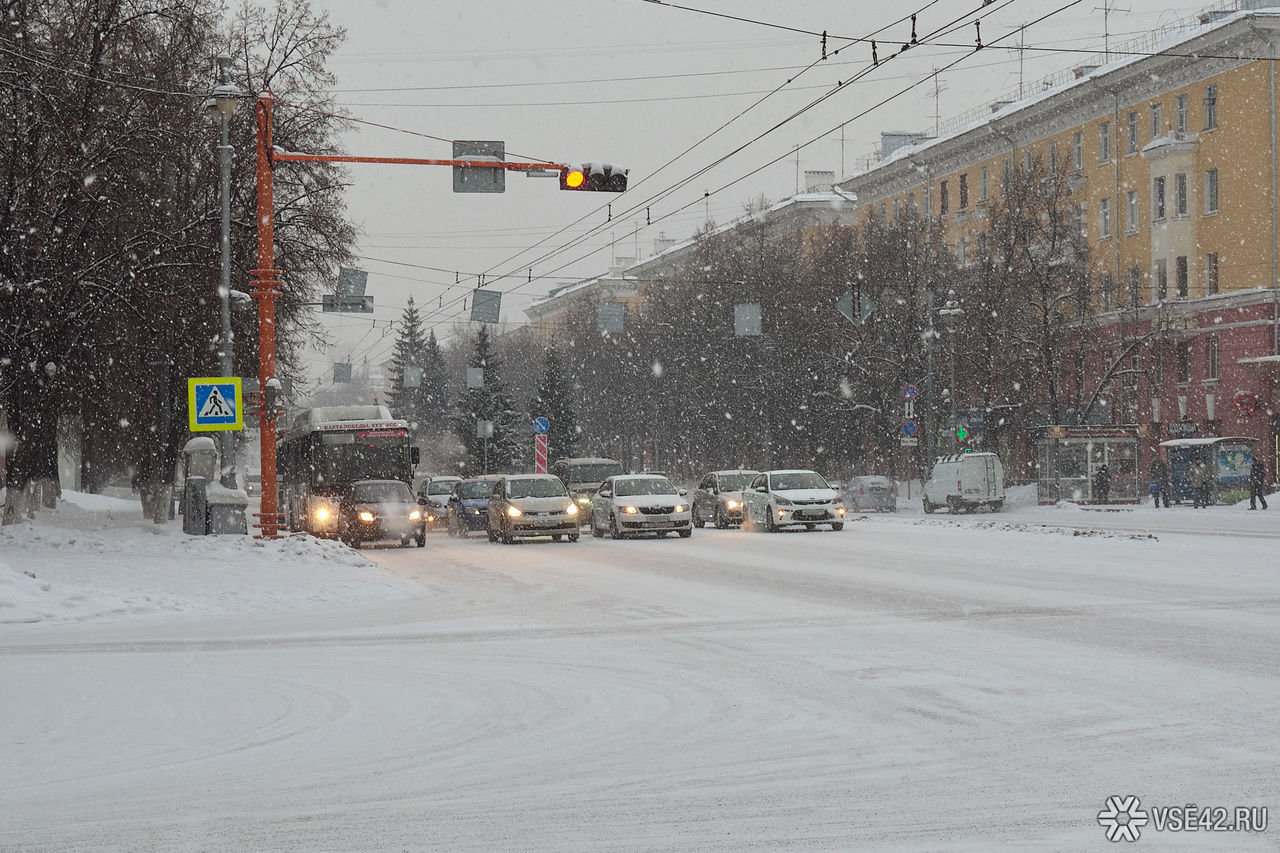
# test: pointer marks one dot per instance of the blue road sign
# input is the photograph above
(909, 428)
(909, 392)
(541, 426)
(214, 403)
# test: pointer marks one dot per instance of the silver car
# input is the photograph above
(871, 492)
(524, 505)
(718, 498)
(632, 504)
(777, 499)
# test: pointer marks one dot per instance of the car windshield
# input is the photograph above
(593, 473)
(382, 493)
(440, 487)
(475, 491)
(645, 486)
(734, 482)
(798, 480)
(548, 488)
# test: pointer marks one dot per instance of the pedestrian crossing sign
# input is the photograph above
(214, 404)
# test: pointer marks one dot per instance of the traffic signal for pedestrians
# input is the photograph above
(593, 177)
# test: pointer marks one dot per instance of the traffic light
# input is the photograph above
(593, 177)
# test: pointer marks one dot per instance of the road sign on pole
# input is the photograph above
(542, 426)
(540, 453)
(910, 428)
(214, 404)
(910, 392)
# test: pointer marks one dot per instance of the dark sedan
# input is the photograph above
(378, 510)
(468, 507)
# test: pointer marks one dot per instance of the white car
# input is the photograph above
(631, 504)
(777, 499)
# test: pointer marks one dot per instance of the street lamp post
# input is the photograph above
(951, 312)
(221, 106)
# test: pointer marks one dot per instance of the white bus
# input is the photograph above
(332, 445)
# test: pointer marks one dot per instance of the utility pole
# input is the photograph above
(224, 102)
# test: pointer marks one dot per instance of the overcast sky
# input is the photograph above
(659, 89)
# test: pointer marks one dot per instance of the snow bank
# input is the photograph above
(95, 558)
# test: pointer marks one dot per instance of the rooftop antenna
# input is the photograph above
(937, 111)
(1106, 9)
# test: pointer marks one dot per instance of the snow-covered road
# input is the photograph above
(903, 685)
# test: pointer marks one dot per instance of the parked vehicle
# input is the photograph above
(253, 484)
(632, 504)
(582, 476)
(372, 510)
(468, 506)
(524, 505)
(777, 499)
(718, 498)
(964, 482)
(434, 497)
(871, 492)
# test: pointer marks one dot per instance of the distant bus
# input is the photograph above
(332, 445)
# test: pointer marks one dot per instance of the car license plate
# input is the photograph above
(661, 522)
(814, 513)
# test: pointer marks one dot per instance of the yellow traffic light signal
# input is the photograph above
(593, 177)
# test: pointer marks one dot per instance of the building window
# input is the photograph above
(1157, 199)
(1180, 114)
(1162, 280)
(1131, 212)
(1082, 299)
(1053, 159)
(1157, 121)
(1106, 292)
(926, 198)
(984, 182)
(1104, 217)
(1211, 191)
(964, 190)
(944, 198)
(1180, 195)
(1184, 363)
(1006, 170)
(911, 205)
(897, 211)
(1131, 133)
(1212, 372)
(1135, 287)
(1180, 275)
(1078, 219)
(1028, 162)
(1104, 142)
(1210, 273)
(1210, 107)
(1077, 151)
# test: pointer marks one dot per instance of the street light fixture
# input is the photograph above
(221, 106)
(951, 312)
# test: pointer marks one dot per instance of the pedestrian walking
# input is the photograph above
(1201, 478)
(1159, 473)
(1258, 483)
(1102, 484)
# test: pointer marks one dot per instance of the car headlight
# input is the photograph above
(781, 501)
(839, 510)
(584, 500)
(630, 510)
(415, 515)
(679, 507)
(571, 509)
(322, 514)
(475, 511)
(731, 504)
(366, 516)
(514, 512)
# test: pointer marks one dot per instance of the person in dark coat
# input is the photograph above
(1102, 485)
(1160, 481)
(1258, 483)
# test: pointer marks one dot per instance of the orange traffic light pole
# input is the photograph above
(267, 281)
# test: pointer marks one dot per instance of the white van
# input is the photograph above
(965, 482)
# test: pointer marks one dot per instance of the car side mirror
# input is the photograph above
(683, 492)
